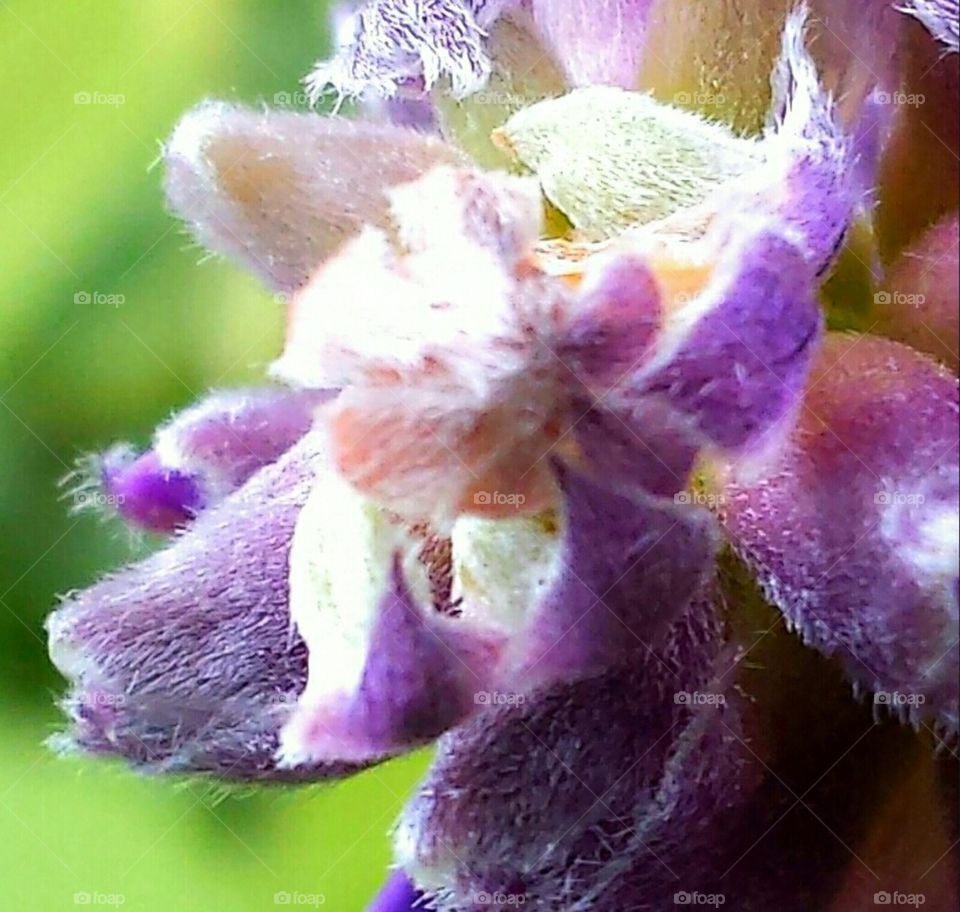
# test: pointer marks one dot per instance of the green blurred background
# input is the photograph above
(81, 218)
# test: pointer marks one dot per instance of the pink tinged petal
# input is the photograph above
(920, 303)
(627, 568)
(445, 346)
(186, 662)
(204, 453)
(398, 44)
(280, 191)
(853, 534)
(397, 895)
(598, 42)
(941, 18)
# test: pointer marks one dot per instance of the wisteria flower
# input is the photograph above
(567, 462)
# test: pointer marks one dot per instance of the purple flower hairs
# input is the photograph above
(573, 462)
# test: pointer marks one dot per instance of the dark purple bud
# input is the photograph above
(146, 494)
(397, 895)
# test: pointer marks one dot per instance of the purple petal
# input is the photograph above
(417, 113)
(739, 369)
(620, 315)
(819, 196)
(547, 804)
(419, 680)
(853, 533)
(226, 437)
(649, 446)
(628, 568)
(687, 778)
(204, 453)
(280, 191)
(398, 895)
(941, 18)
(598, 42)
(187, 662)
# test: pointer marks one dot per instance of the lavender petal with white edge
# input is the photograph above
(390, 669)
(186, 662)
(941, 18)
(280, 191)
(854, 532)
(626, 569)
(419, 680)
(811, 176)
(598, 42)
(417, 113)
(398, 44)
(227, 436)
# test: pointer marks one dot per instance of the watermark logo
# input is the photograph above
(495, 698)
(295, 99)
(293, 898)
(101, 699)
(98, 298)
(896, 698)
(695, 898)
(907, 99)
(696, 698)
(896, 898)
(897, 499)
(499, 899)
(699, 499)
(700, 99)
(105, 99)
(898, 298)
(93, 898)
(498, 499)
(501, 99)
(98, 500)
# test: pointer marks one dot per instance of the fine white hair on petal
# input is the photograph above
(449, 287)
(610, 158)
(395, 44)
(941, 18)
(800, 106)
(279, 190)
(444, 339)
